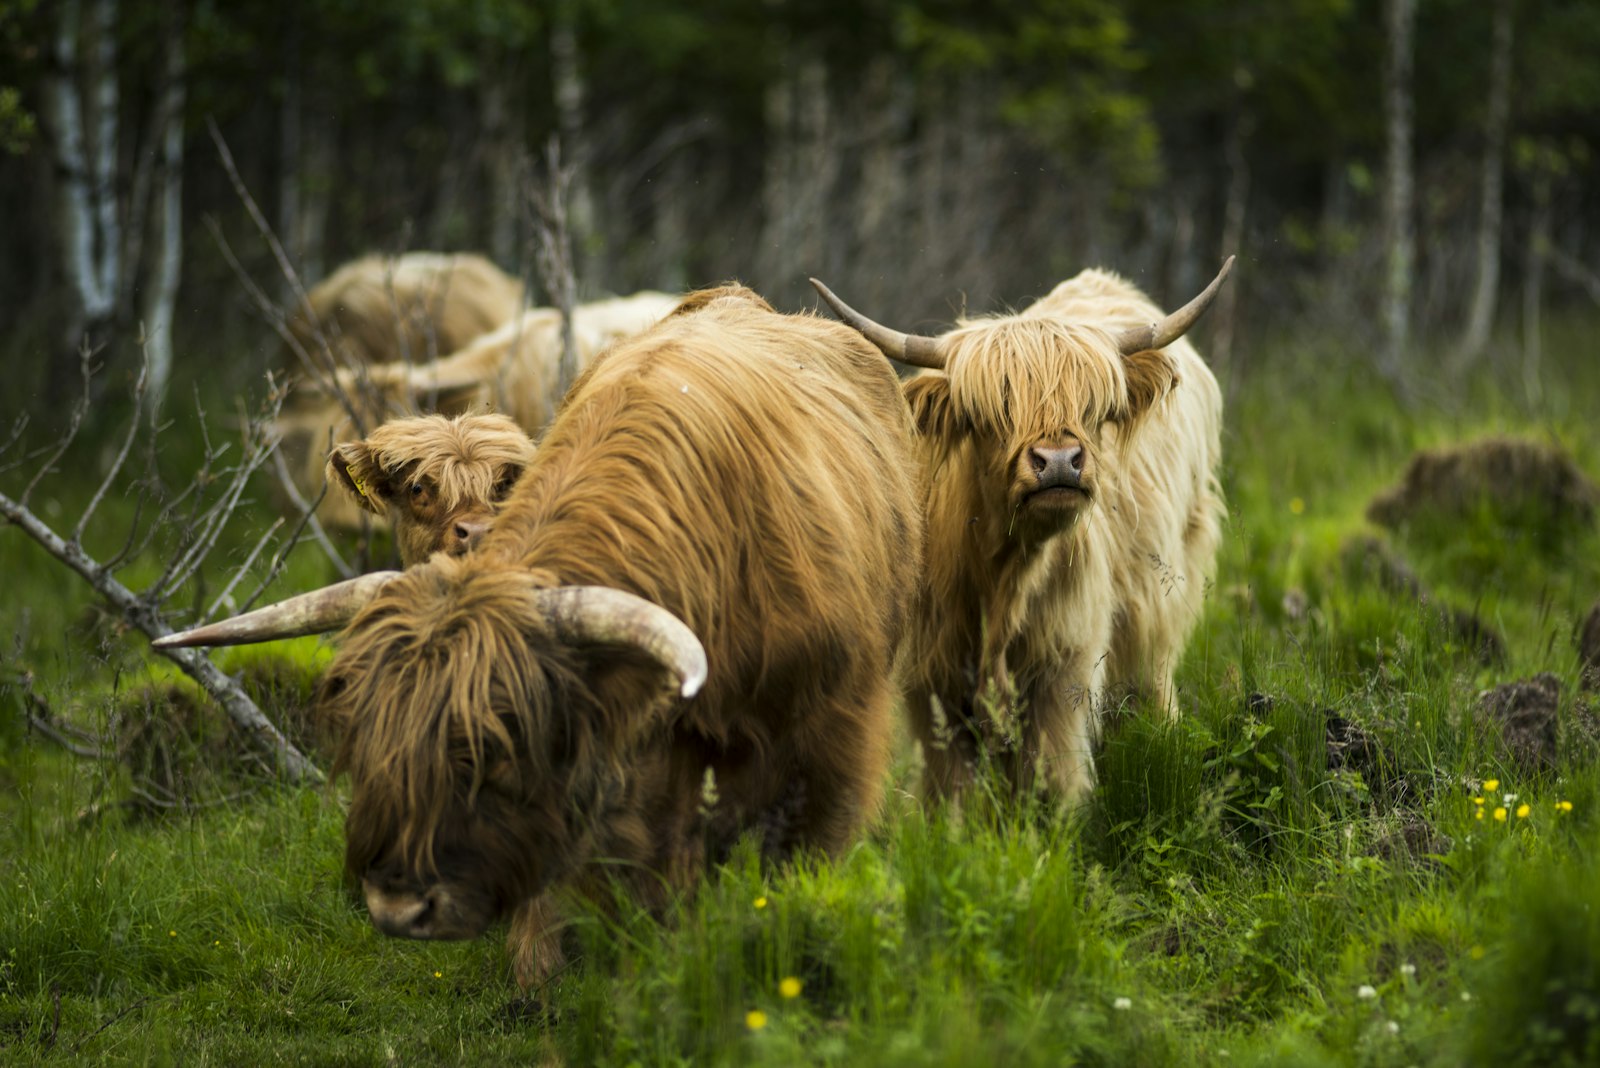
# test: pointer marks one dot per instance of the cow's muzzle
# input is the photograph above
(1056, 470)
(422, 914)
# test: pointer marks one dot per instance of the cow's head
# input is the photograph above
(487, 720)
(1029, 397)
(440, 480)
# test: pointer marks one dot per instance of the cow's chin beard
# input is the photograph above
(1040, 514)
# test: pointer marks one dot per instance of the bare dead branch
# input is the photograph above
(242, 570)
(74, 421)
(308, 516)
(127, 444)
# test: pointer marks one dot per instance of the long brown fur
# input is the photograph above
(439, 480)
(1030, 620)
(750, 472)
(409, 308)
(512, 370)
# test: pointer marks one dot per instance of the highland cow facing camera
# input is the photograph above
(1073, 519)
(702, 577)
(440, 481)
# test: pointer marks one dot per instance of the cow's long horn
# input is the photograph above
(603, 614)
(1160, 335)
(914, 349)
(316, 612)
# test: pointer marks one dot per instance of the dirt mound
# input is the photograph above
(1589, 649)
(1519, 481)
(1524, 717)
(1375, 560)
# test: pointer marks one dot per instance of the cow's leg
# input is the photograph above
(841, 762)
(1058, 730)
(534, 941)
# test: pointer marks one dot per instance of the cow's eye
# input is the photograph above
(417, 489)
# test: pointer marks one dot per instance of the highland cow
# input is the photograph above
(1073, 517)
(409, 308)
(512, 370)
(439, 480)
(679, 629)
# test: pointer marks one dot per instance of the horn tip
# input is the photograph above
(693, 681)
(180, 640)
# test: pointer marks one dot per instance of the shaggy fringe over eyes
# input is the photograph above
(1027, 378)
(445, 670)
(464, 456)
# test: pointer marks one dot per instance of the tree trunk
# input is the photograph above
(291, 147)
(1533, 287)
(162, 291)
(85, 169)
(1400, 241)
(1481, 316)
(569, 94)
(320, 157)
(1233, 224)
(501, 129)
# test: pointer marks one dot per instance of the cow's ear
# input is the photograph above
(932, 410)
(353, 468)
(632, 692)
(1151, 376)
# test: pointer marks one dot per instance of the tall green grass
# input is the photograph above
(1225, 897)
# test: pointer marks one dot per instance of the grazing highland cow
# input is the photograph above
(1073, 518)
(680, 628)
(440, 480)
(409, 308)
(512, 369)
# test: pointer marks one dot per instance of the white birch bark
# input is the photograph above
(161, 293)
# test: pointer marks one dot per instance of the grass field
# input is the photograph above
(1233, 894)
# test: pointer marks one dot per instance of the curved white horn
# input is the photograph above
(603, 614)
(1160, 335)
(914, 349)
(316, 612)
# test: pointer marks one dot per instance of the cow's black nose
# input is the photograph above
(1057, 468)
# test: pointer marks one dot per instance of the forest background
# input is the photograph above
(1386, 169)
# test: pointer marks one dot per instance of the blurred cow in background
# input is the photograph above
(409, 308)
(1073, 519)
(513, 370)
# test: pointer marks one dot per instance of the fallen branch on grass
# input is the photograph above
(195, 518)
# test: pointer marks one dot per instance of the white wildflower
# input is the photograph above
(1364, 991)
(1122, 1004)
(1408, 969)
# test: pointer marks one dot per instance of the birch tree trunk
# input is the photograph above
(1400, 26)
(162, 291)
(1481, 317)
(83, 141)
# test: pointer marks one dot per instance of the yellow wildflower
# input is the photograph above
(1476, 952)
(1478, 813)
(760, 902)
(1523, 810)
(1492, 784)
(1564, 806)
(789, 987)
(755, 1019)
(1477, 800)
(172, 934)
(1500, 813)
(438, 975)
(1296, 505)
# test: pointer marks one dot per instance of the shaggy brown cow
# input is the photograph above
(409, 308)
(511, 369)
(1073, 518)
(726, 504)
(440, 480)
